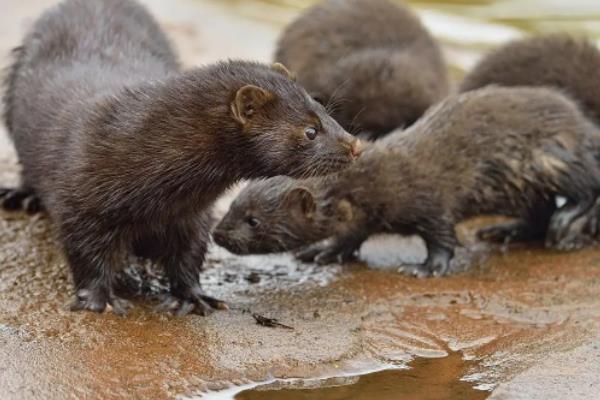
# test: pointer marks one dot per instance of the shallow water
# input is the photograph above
(425, 379)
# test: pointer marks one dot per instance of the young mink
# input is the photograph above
(371, 61)
(506, 151)
(558, 60)
(123, 148)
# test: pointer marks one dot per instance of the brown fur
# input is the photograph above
(489, 151)
(124, 149)
(558, 60)
(570, 64)
(371, 61)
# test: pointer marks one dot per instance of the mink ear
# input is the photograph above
(248, 101)
(280, 68)
(344, 209)
(302, 199)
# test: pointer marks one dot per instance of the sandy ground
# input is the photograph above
(524, 322)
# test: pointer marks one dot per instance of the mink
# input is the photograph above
(121, 146)
(560, 60)
(499, 151)
(371, 61)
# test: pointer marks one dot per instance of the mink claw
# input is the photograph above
(326, 252)
(20, 199)
(415, 270)
(95, 301)
(198, 304)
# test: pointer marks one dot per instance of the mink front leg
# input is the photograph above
(23, 198)
(183, 252)
(531, 226)
(440, 240)
(338, 249)
(92, 252)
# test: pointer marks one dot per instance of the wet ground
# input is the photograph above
(522, 322)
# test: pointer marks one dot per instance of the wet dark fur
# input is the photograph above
(123, 148)
(506, 151)
(371, 61)
(560, 60)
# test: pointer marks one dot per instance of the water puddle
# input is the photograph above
(423, 379)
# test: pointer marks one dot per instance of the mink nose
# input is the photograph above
(356, 147)
(219, 238)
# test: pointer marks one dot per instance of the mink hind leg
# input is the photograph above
(581, 191)
(574, 225)
(586, 229)
(183, 251)
(440, 239)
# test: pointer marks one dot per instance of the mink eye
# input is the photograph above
(311, 133)
(319, 99)
(253, 222)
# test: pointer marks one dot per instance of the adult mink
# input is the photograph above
(371, 61)
(500, 151)
(122, 147)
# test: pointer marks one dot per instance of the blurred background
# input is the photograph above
(207, 30)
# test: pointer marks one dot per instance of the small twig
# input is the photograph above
(269, 322)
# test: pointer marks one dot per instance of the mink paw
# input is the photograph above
(435, 268)
(96, 301)
(565, 225)
(581, 233)
(416, 270)
(20, 199)
(196, 302)
(326, 252)
(500, 233)
(570, 242)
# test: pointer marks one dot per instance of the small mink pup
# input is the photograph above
(501, 151)
(371, 61)
(558, 60)
(123, 148)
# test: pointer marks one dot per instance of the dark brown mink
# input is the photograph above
(558, 60)
(122, 147)
(500, 151)
(371, 61)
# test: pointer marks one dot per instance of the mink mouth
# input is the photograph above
(224, 240)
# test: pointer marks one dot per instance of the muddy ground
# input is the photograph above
(521, 321)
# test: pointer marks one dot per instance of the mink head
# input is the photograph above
(288, 131)
(275, 215)
(374, 93)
